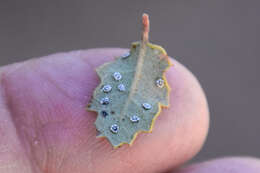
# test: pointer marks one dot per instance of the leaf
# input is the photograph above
(132, 91)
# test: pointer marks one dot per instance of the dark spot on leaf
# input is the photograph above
(104, 113)
(112, 112)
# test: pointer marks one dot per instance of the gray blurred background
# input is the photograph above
(218, 40)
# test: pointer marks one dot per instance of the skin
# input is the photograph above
(44, 126)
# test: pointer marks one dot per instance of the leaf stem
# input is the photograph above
(146, 28)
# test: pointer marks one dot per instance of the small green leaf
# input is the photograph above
(132, 91)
